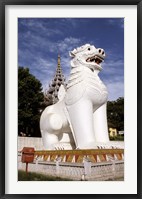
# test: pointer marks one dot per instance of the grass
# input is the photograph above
(32, 176)
(116, 179)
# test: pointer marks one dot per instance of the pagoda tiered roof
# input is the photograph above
(51, 96)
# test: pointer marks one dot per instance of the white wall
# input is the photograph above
(30, 142)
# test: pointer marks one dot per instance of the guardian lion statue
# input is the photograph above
(78, 120)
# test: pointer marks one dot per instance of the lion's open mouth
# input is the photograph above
(95, 59)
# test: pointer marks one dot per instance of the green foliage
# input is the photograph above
(115, 114)
(117, 138)
(30, 98)
(32, 176)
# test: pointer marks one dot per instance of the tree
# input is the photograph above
(115, 114)
(30, 98)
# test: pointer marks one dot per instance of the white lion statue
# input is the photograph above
(78, 120)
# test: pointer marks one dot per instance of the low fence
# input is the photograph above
(98, 172)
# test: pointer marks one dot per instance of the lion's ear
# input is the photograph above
(71, 54)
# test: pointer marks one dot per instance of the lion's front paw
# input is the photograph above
(59, 146)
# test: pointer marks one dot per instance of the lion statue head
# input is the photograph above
(87, 55)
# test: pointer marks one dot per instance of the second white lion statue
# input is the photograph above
(78, 120)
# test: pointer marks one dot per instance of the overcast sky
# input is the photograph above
(40, 40)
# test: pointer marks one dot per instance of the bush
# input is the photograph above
(117, 138)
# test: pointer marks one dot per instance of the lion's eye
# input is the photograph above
(89, 49)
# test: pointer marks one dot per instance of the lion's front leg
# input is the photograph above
(81, 119)
(100, 125)
(49, 140)
(51, 128)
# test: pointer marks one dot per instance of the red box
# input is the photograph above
(28, 154)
